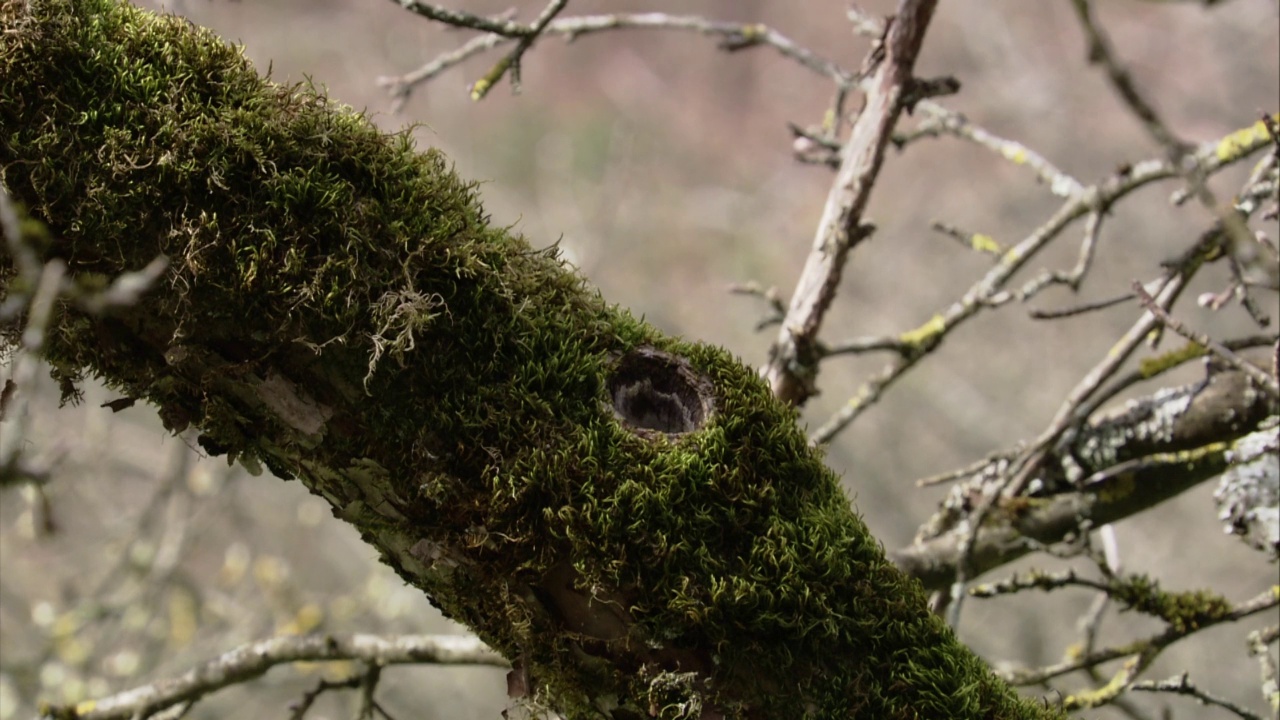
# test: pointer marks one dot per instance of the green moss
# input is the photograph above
(457, 377)
(1150, 367)
(1184, 611)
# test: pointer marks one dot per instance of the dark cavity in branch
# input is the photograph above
(655, 392)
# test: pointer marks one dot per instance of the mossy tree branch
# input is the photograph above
(633, 519)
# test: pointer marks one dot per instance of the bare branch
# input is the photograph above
(733, 36)
(511, 63)
(860, 345)
(1081, 309)
(1068, 413)
(1073, 277)
(978, 242)
(1152, 367)
(1181, 685)
(501, 28)
(792, 366)
(1100, 52)
(938, 120)
(252, 660)
(989, 291)
(1265, 381)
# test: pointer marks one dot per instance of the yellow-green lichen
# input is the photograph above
(926, 334)
(1014, 153)
(1241, 142)
(985, 244)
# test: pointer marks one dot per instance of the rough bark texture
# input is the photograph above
(1125, 461)
(633, 519)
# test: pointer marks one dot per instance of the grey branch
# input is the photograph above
(254, 659)
(793, 363)
(1182, 685)
(1265, 381)
(1154, 449)
(1248, 495)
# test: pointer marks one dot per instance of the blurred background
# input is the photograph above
(664, 168)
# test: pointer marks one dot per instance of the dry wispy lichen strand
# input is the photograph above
(631, 573)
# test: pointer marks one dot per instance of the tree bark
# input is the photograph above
(1128, 460)
(633, 519)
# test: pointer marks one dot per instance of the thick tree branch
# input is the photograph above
(634, 520)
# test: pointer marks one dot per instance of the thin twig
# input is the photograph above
(502, 28)
(298, 710)
(1153, 367)
(1080, 309)
(254, 659)
(1262, 602)
(1100, 53)
(989, 290)
(1181, 685)
(1260, 376)
(511, 63)
(401, 87)
(733, 36)
(959, 473)
(938, 120)
(860, 345)
(1073, 277)
(770, 295)
(1023, 470)
(979, 242)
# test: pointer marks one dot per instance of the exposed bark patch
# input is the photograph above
(293, 405)
(652, 392)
